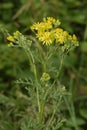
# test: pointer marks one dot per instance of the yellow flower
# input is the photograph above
(36, 26)
(10, 44)
(45, 77)
(16, 34)
(41, 26)
(51, 20)
(45, 37)
(47, 25)
(10, 38)
(60, 39)
(60, 35)
(74, 40)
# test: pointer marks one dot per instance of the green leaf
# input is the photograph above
(83, 113)
(78, 121)
(4, 125)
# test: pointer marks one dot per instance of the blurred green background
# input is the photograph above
(20, 15)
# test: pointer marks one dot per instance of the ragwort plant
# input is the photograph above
(46, 56)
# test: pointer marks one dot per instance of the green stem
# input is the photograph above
(35, 73)
(44, 96)
(51, 119)
(32, 61)
(60, 67)
(58, 73)
(59, 70)
(42, 111)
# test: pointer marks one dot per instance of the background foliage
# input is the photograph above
(19, 15)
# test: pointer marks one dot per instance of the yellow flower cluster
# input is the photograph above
(12, 39)
(18, 40)
(48, 32)
(47, 24)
